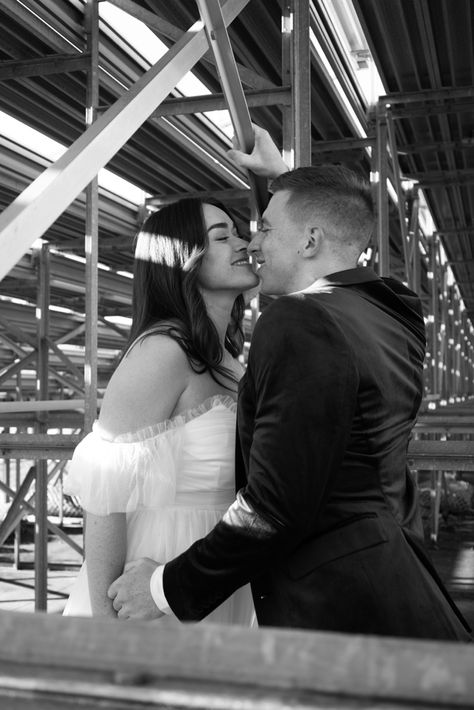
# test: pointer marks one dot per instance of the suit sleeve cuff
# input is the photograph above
(157, 591)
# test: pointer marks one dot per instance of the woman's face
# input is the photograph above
(225, 265)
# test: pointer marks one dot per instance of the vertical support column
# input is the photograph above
(414, 240)
(296, 72)
(287, 80)
(416, 260)
(457, 344)
(435, 315)
(400, 193)
(41, 484)
(466, 362)
(17, 538)
(92, 226)
(443, 336)
(471, 363)
(462, 356)
(301, 104)
(449, 343)
(381, 173)
(4, 497)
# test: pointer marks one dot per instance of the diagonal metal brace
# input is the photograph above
(211, 15)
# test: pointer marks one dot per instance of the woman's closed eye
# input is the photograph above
(224, 237)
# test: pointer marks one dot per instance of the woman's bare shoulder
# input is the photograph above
(146, 385)
(158, 349)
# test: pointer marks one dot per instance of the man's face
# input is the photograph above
(275, 247)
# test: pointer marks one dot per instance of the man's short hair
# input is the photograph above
(337, 196)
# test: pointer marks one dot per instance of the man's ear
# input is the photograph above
(312, 242)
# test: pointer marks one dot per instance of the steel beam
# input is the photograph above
(444, 178)
(381, 173)
(22, 336)
(41, 66)
(410, 97)
(25, 506)
(301, 83)
(66, 361)
(287, 78)
(230, 195)
(341, 144)
(280, 96)
(400, 195)
(91, 239)
(463, 144)
(454, 232)
(17, 366)
(41, 482)
(421, 111)
(414, 280)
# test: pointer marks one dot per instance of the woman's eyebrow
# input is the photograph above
(219, 225)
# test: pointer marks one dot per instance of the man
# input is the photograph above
(326, 524)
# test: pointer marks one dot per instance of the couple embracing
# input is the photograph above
(306, 514)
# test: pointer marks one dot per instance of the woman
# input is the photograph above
(157, 471)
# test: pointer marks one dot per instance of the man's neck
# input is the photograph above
(319, 272)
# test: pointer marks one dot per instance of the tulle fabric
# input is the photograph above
(174, 480)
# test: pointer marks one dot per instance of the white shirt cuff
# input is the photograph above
(157, 592)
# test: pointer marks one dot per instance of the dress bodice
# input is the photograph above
(181, 461)
(174, 480)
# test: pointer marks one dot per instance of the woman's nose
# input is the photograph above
(252, 247)
(241, 244)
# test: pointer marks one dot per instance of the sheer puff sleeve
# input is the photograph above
(131, 472)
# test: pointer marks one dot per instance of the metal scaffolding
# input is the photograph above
(400, 248)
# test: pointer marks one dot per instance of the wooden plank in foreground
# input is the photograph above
(52, 661)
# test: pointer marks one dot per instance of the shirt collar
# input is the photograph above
(360, 274)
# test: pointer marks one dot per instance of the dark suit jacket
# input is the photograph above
(326, 524)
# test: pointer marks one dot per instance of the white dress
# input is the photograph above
(174, 480)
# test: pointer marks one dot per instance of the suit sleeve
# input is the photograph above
(305, 383)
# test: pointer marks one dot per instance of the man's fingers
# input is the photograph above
(114, 588)
(117, 605)
(237, 156)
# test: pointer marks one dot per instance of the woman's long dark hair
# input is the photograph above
(166, 296)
